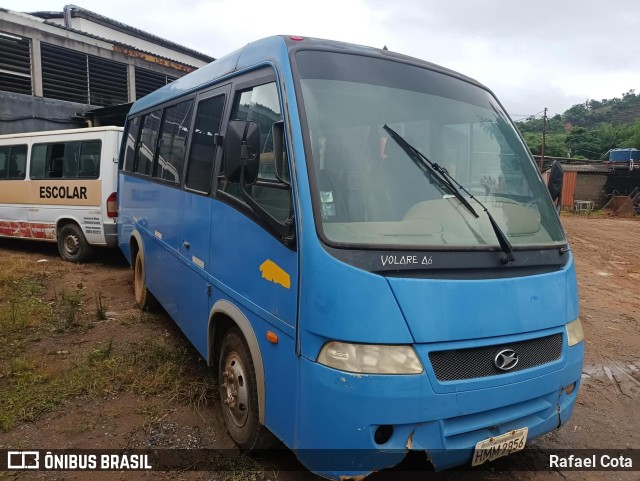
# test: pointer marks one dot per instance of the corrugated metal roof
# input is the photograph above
(89, 15)
(600, 167)
(122, 27)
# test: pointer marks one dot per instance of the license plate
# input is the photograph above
(498, 446)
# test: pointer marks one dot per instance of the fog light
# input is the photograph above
(569, 389)
(383, 434)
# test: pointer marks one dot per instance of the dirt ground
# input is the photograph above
(607, 256)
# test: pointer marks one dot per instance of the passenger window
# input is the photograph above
(261, 104)
(202, 154)
(173, 142)
(13, 161)
(148, 141)
(89, 163)
(4, 161)
(66, 160)
(133, 128)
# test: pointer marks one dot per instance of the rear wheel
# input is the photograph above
(239, 394)
(144, 298)
(72, 244)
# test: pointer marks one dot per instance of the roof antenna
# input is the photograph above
(385, 48)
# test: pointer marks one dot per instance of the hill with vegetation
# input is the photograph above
(588, 130)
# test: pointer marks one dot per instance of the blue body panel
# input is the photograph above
(313, 408)
(442, 310)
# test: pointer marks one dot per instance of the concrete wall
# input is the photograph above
(24, 113)
(591, 186)
(599, 187)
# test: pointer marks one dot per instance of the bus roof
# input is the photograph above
(62, 132)
(273, 49)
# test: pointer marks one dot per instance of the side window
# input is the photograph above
(65, 160)
(133, 128)
(261, 104)
(89, 162)
(148, 141)
(4, 161)
(13, 162)
(202, 154)
(173, 142)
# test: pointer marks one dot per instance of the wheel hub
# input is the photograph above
(235, 395)
(71, 245)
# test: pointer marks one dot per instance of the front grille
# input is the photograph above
(476, 362)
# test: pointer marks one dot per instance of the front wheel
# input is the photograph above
(238, 392)
(72, 244)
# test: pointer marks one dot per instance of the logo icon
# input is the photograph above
(506, 359)
(23, 459)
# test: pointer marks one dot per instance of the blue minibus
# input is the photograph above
(360, 245)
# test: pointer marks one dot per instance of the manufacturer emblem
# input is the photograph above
(506, 359)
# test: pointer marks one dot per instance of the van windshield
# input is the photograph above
(369, 191)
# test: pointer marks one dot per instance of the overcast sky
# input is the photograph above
(531, 53)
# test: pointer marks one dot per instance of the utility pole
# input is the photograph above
(544, 128)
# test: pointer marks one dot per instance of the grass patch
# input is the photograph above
(161, 370)
(69, 310)
(151, 367)
(23, 306)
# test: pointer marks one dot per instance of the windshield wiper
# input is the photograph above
(452, 185)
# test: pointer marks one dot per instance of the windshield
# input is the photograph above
(369, 191)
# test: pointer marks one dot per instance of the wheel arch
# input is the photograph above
(135, 245)
(66, 220)
(222, 314)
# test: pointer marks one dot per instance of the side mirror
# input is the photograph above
(242, 151)
(280, 153)
(555, 180)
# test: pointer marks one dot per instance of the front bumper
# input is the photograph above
(339, 413)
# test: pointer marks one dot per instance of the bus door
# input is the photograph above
(257, 267)
(197, 223)
(251, 259)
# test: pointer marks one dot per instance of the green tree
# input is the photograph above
(584, 143)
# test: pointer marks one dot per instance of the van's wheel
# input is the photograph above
(239, 394)
(144, 298)
(72, 244)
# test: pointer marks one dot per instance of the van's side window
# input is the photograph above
(173, 142)
(133, 129)
(13, 162)
(66, 160)
(261, 104)
(148, 141)
(201, 156)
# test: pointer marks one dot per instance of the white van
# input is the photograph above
(60, 186)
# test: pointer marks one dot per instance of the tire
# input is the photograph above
(239, 394)
(72, 244)
(144, 299)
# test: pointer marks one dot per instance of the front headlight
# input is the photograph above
(370, 358)
(574, 332)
